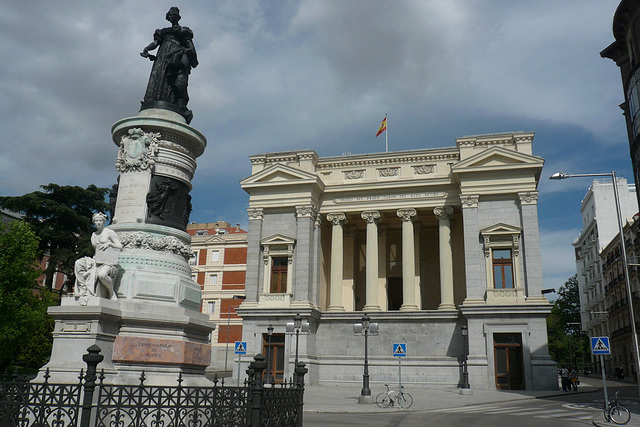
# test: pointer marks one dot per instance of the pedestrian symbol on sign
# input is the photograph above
(241, 347)
(600, 345)
(400, 350)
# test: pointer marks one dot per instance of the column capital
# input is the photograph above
(255, 213)
(371, 216)
(443, 212)
(306, 211)
(337, 218)
(528, 197)
(406, 214)
(469, 200)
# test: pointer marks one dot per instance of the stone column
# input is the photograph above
(408, 260)
(531, 259)
(254, 261)
(338, 219)
(446, 257)
(417, 265)
(474, 261)
(372, 218)
(305, 256)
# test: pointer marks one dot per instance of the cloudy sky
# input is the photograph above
(279, 75)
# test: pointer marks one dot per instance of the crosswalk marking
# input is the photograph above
(538, 412)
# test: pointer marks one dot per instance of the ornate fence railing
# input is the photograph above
(92, 403)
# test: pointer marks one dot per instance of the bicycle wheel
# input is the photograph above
(405, 400)
(383, 400)
(619, 415)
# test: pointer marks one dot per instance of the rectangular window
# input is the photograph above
(193, 260)
(279, 267)
(502, 269)
(215, 256)
(213, 280)
(211, 307)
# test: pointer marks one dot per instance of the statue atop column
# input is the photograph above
(172, 64)
(102, 269)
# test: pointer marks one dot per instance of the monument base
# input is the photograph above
(164, 341)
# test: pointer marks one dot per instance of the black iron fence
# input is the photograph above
(91, 403)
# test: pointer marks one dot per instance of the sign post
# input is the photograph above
(400, 351)
(600, 346)
(240, 349)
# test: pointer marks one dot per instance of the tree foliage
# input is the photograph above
(567, 344)
(23, 310)
(61, 218)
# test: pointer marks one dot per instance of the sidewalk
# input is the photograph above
(344, 398)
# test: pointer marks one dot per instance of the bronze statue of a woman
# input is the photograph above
(175, 58)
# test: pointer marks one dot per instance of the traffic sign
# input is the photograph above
(600, 345)
(241, 347)
(400, 350)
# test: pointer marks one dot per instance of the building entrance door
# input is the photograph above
(394, 293)
(276, 358)
(508, 361)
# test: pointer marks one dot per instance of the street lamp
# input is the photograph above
(269, 361)
(298, 326)
(465, 373)
(625, 262)
(365, 328)
(226, 353)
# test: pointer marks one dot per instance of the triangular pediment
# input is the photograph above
(279, 173)
(277, 239)
(501, 229)
(497, 158)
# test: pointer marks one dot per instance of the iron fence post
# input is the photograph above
(255, 403)
(92, 358)
(300, 371)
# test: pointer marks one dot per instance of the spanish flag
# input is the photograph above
(383, 126)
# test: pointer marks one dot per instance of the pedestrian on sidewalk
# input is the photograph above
(573, 377)
(564, 377)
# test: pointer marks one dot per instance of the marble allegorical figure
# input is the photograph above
(102, 269)
(176, 56)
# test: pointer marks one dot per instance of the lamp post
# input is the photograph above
(625, 262)
(365, 328)
(465, 373)
(297, 327)
(269, 360)
(226, 353)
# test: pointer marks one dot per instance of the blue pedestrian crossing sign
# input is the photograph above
(600, 345)
(241, 347)
(400, 350)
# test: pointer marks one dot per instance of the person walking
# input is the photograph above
(573, 377)
(564, 378)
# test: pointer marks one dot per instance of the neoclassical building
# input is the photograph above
(427, 242)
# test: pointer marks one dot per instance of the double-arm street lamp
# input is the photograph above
(625, 262)
(297, 327)
(365, 328)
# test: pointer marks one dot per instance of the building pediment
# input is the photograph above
(496, 159)
(279, 173)
(277, 239)
(500, 229)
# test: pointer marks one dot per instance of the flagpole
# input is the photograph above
(386, 133)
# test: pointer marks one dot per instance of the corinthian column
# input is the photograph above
(446, 257)
(408, 261)
(372, 218)
(338, 219)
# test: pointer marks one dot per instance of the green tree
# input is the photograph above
(61, 218)
(23, 310)
(567, 345)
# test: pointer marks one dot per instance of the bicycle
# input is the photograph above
(384, 400)
(616, 413)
